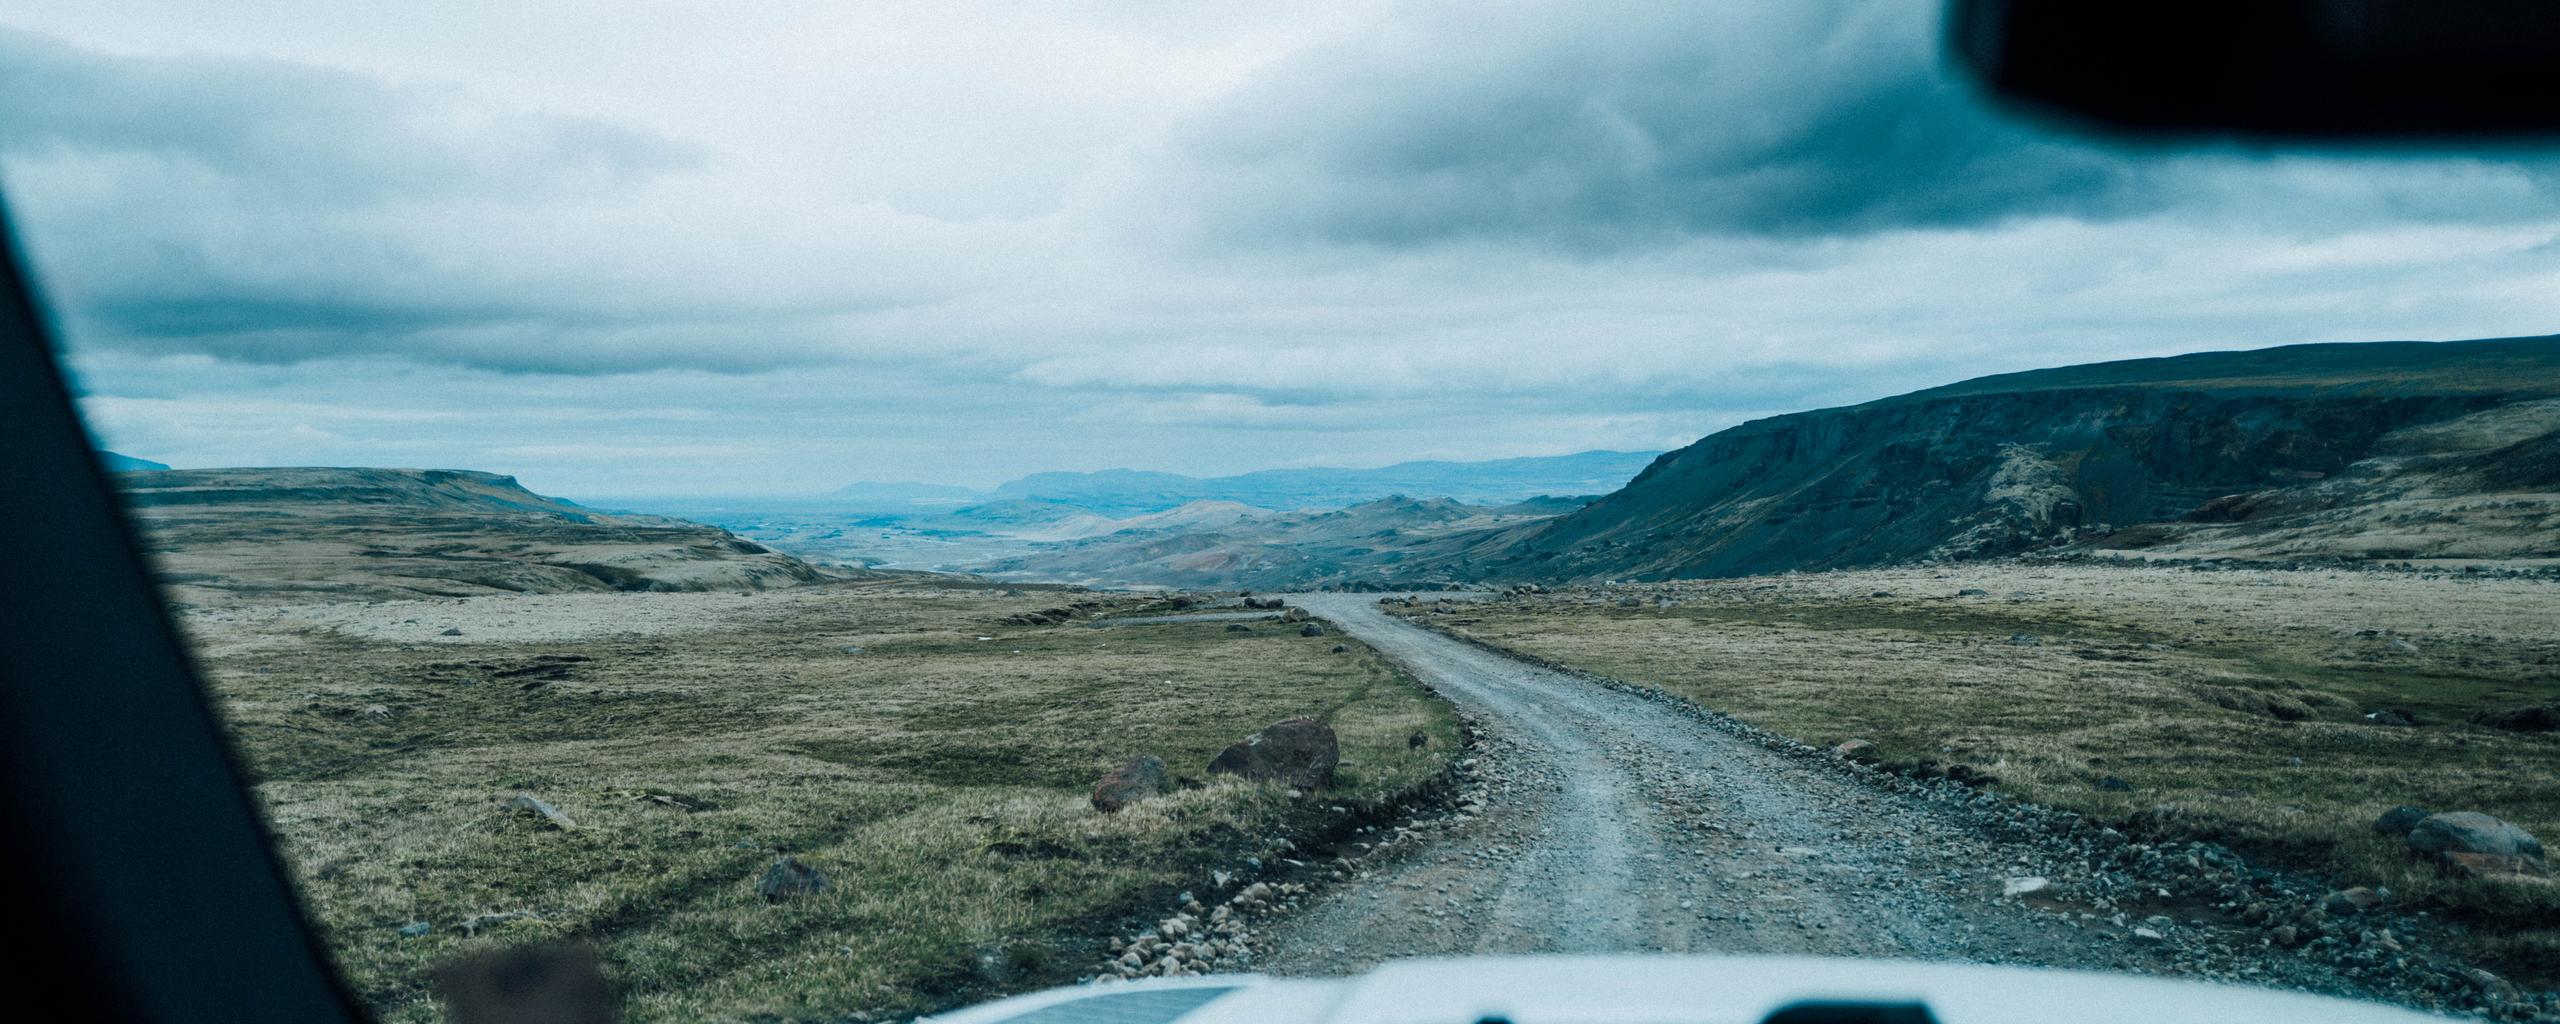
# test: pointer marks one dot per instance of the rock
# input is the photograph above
(451, 631)
(1973, 592)
(1238, 627)
(2537, 718)
(1298, 751)
(2494, 990)
(1860, 751)
(788, 878)
(2285, 935)
(1417, 741)
(2472, 844)
(1342, 648)
(1142, 778)
(2024, 640)
(2113, 784)
(2399, 820)
(1311, 629)
(2348, 902)
(529, 802)
(1295, 615)
(2391, 717)
(2148, 934)
(2024, 885)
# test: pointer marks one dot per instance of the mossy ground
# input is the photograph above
(938, 778)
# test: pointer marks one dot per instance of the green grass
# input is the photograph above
(939, 781)
(2170, 680)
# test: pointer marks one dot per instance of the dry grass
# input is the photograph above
(938, 779)
(2179, 682)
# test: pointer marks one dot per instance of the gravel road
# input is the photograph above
(1599, 820)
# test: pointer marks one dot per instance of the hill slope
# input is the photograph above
(224, 533)
(1499, 481)
(2380, 450)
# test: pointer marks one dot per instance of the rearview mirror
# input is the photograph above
(2303, 69)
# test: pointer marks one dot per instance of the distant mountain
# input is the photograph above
(1498, 481)
(128, 464)
(2378, 450)
(1212, 544)
(219, 534)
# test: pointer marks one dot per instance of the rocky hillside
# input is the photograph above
(2364, 451)
(219, 534)
(1216, 545)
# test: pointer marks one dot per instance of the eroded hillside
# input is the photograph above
(2391, 450)
(221, 534)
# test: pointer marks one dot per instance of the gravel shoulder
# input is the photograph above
(1604, 819)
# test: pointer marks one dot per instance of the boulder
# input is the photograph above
(1342, 648)
(1857, 750)
(1294, 615)
(1300, 752)
(2113, 784)
(1238, 627)
(788, 878)
(2399, 820)
(1311, 629)
(2472, 844)
(1140, 779)
(2349, 902)
(1417, 741)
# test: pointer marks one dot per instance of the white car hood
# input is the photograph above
(1670, 990)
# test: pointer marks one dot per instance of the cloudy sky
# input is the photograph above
(638, 248)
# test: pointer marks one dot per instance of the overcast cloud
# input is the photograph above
(622, 249)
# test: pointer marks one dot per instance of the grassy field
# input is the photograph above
(938, 777)
(2232, 702)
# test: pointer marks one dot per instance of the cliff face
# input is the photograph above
(2078, 454)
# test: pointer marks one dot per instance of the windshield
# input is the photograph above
(849, 511)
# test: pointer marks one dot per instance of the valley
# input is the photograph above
(2110, 667)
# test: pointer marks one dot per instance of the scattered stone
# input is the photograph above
(1299, 751)
(2472, 844)
(2349, 902)
(789, 878)
(2113, 784)
(2399, 820)
(1140, 779)
(529, 802)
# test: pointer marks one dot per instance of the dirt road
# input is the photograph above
(1614, 822)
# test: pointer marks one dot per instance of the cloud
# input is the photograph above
(319, 135)
(1596, 127)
